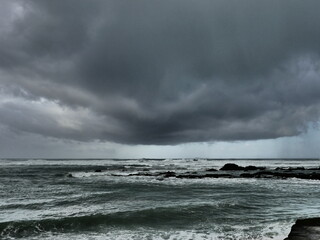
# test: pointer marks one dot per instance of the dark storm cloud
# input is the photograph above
(162, 72)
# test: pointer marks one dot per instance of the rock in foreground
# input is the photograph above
(305, 229)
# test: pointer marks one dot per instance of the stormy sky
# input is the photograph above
(152, 76)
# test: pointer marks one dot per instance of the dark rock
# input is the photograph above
(98, 170)
(69, 175)
(264, 174)
(305, 229)
(189, 176)
(253, 168)
(218, 176)
(313, 176)
(211, 170)
(286, 175)
(314, 168)
(231, 167)
(236, 171)
(158, 174)
(295, 168)
(204, 176)
(191, 173)
(247, 175)
(169, 174)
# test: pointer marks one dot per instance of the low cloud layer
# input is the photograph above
(159, 72)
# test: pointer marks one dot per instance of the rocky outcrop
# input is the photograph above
(231, 167)
(231, 170)
(235, 167)
(305, 229)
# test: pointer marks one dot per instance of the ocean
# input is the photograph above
(97, 199)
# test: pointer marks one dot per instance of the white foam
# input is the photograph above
(147, 234)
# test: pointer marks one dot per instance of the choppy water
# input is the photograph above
(39, 201)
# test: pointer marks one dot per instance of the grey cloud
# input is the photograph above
(167, 72)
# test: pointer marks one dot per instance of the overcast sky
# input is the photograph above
(159, 78)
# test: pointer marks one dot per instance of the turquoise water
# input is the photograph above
(39, 201)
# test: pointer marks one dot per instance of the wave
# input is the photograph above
(165, 217)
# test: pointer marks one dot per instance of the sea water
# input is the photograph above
(68, 199)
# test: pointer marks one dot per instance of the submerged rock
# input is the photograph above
(211, 170)
(305, 229)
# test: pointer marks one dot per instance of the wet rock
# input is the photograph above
(295, 168)
(299, 168)
(231, 167)
(189, 176)
(169, 174)
(312, 176)
(212, 175)
(284, 174)
(253, 168)
(157, 174)
(264, 174)
(305, 229)
(247, 175)
(218, 176)
(314, 168)
(236, 171)
(191, 173)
